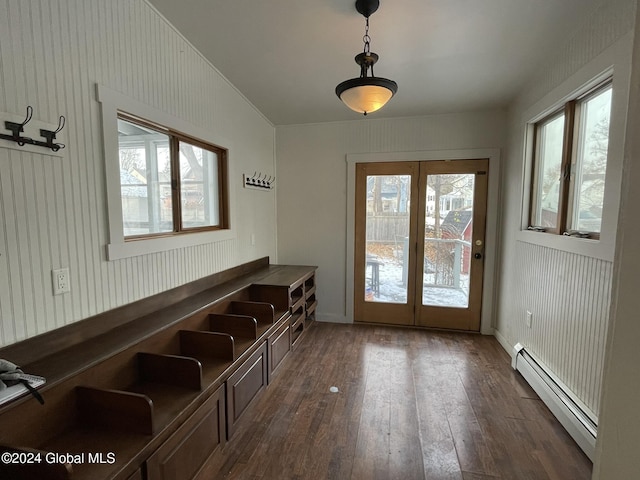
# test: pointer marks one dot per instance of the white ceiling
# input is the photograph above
(287, 56)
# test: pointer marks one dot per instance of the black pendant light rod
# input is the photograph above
(367, 7)
(366, 94)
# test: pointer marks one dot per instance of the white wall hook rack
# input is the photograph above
(258, 181)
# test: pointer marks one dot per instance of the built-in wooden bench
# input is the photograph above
(152, 390)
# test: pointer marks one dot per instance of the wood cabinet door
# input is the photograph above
(279, 346)
(185, 452)
(244, 384)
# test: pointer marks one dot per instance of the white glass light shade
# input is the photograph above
(366, 98)
(366, 94)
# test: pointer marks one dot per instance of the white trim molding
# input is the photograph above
(613, 62)
(112, 102)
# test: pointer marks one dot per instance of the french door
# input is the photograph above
(419, 243)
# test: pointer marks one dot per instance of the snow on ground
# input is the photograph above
(392, 289)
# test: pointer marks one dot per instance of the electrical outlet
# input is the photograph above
(529, 318)
(60, 280)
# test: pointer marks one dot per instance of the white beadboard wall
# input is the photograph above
(598, 30)
(569, 298)
(312, 164)
(569, 293)
(53, 209)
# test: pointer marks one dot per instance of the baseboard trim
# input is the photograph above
(332, 318)
(503, 342)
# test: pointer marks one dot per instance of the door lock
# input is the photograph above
(477, 256)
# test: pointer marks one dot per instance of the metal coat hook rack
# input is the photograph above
(49, 135)
(259, 181)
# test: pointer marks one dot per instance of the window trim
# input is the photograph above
(117, 248)
(175, 137)
(613, 61)
(570, 110)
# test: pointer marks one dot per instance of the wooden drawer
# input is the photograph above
(279, 346)
(244, 384)
(184, 453)
(311, 305)
(310, 285)
(297, 295)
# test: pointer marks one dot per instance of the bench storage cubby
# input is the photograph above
(155, 389)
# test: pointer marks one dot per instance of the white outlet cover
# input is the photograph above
(60, 281)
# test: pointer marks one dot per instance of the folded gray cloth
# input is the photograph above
(8, 371)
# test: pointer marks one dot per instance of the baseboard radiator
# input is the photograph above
(578, 423)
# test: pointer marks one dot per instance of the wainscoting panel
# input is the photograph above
(568, 296)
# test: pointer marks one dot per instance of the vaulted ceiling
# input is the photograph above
(287, 56)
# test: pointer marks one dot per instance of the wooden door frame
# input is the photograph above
(491, 238)
(447, 317)
(383, 312)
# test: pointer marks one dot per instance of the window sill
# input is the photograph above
(582, 246)
(116, 251)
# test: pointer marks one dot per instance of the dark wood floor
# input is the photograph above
(411, 405)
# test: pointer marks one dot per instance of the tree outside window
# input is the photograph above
(569, 166)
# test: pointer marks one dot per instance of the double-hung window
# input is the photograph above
(569, 165)
(169, 183)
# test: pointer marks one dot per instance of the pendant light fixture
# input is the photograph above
(366, 94)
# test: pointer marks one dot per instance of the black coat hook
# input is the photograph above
(17, 128)
(259, 180)
(50, 136)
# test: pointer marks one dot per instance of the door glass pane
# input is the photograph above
(447, 240)
(387, 238)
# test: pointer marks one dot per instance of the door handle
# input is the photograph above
(477, 256)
